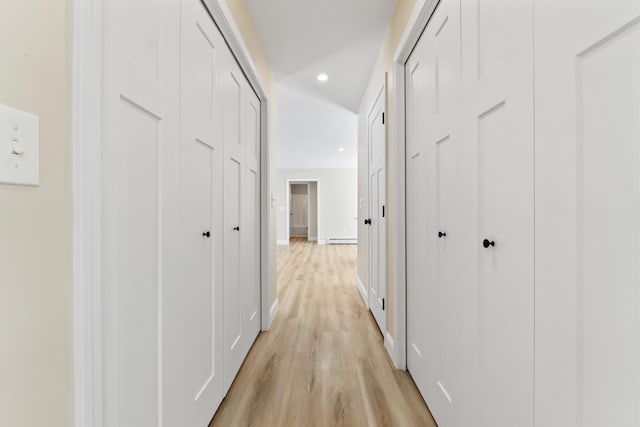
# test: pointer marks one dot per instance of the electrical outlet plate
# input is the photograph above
(19, 147)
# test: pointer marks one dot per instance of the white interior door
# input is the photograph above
(201, 187)
(423, 330)
(440, 222)
(140, 145)
(498, 121)
(231, 88)
(451, 221)
(470, 166)
(377, 212)
(250, 248)
(181, 179)
(241, 130)
(299, 204)
(587, 213)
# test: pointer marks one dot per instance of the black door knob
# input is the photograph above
(486, 243)
(206, 234)
(441, 234)
(367, 221)
(236, 228)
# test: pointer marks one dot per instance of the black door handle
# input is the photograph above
(206, 234)
(236, 228)
(486, 243)
(441, 234)
(367, 221)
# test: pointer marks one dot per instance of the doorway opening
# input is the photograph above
(302, 205)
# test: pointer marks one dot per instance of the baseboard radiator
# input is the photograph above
(342, 241)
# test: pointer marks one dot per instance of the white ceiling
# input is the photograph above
(341, 38)
(303, 38)
(310, 132)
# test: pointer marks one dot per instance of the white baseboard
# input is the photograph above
(363, 291)
(342, 241)
(312, 239)
(389, 346)
(283, 242)
(322, 241)
(274, 311)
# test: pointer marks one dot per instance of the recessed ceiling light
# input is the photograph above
(323, 77)
(340, 149)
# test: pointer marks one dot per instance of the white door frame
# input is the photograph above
(87, 194)
(287, 193)
(422, 12)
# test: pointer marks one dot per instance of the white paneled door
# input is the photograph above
(588, 213)
(241, 221)
(497, 53)
(299, 207)
(469, 98)
(250, 274)
(139, 176)
(440, 225)
(423, 331)
(377, 220)
(181, 215)
(201, 202)
(523, 213)
(231, 91)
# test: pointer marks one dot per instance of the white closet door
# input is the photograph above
(140, 145)
(587, 213)
(181, 178)
(498, 124)
(440, 289)
(423, 327)
(250, 271)
(450, 275)
(201, 186)
(241, 132)
(470, 164)
(231, 88)
(377, 212)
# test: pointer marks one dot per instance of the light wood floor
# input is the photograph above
(323, 362)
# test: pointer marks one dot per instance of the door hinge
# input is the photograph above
(382, 118)
(382, 304)
(382, 211)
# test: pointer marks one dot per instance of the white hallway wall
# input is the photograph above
(36, 294)
(337, 201)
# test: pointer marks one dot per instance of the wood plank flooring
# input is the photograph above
(323, 362)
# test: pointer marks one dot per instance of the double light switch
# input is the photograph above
(19, 147)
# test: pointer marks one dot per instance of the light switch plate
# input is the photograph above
(19, 147)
